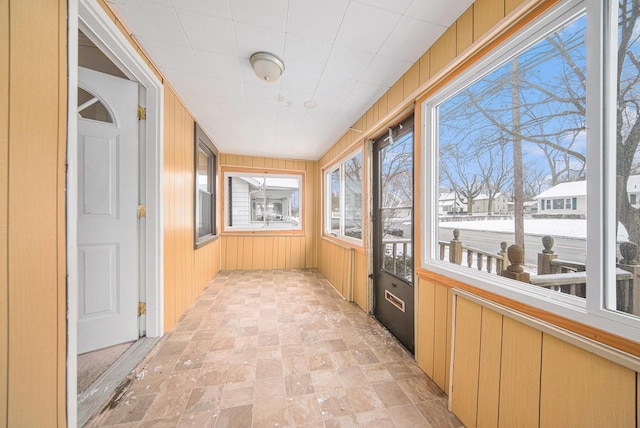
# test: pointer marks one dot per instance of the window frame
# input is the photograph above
(601, 39)
(227, 172)
(202, 141)
(326, 201)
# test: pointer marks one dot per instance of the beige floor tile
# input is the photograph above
(261, 348)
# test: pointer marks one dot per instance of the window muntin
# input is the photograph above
(263, 201)
(205, 188)
(343, 193)
(601, 307)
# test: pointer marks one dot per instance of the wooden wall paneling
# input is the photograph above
(425, 67)
(282, 252)
(637, 400)
(247, 252)
(268, 253)
(466, 361)
(464, 28)
(362, 279)
(440, 363)
(169, 213)
(259, 244)
(182, 256)
(489, 373)
(579, 388)
(519, 375)
(411, 81)
(258, 162)
(32, 160)
(425, 326)
(510, 5)
(447, 360)
(486, 14)
(443, 50)
(63, 65)
(4, 200)
(395, 93)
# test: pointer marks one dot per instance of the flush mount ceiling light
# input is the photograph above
(267, 67)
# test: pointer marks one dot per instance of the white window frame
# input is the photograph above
(601, 30)
(299, 176)
(326, 209)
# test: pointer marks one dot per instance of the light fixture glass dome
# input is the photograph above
(267, 67)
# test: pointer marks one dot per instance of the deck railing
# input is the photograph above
(553, 273)
(474, 257)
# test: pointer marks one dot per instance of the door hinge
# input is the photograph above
(142, 308)
(142, 211)
(142, 113)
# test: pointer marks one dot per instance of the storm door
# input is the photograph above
(393, 231)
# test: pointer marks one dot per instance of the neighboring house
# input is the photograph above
(568, 198)
(449, 203)
(633, 190)
(500, 204)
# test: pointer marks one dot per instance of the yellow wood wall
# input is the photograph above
(507, 374)
(33, 71)
(280, 250)
(186, 270)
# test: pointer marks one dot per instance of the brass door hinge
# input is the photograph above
(142, 113)
(142, 308)
(142, 211)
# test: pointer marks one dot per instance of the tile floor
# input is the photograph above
(275, 349)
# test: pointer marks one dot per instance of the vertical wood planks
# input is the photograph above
(440, 363)
(34, 157)
(520, 375)
(487, 13)
(489, 374)
(4, 191)
(465, 361)
(579, 388)
(425, 328)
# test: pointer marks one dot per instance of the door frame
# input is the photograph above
(90, 17)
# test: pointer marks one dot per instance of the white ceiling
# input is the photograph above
(342, 54)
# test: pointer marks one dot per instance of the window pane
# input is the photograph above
(263, 202)
(90, 107)
(204, 226)
(627, 160)
(510, 143)
(335, 202)
(353, 197)
(203, 170)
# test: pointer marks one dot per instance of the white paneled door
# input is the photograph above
(107, 171)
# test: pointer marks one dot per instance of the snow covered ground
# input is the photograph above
(569, 228)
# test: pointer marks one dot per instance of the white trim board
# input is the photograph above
(88, 16)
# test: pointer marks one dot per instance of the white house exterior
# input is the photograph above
(568, 198)
(500, 204)
(449, 203)
(633, 190)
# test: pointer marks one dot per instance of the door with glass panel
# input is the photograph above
(393, 231)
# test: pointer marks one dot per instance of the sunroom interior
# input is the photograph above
(449, 209)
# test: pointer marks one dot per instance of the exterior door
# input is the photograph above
(107, 210)
(393, 232)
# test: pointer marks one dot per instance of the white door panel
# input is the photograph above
(107, 214)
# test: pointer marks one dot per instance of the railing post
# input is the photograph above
(630, 292)
(545, 257)
(515, 269)
(455, 248)
(502, 264)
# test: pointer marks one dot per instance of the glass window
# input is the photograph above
(626, 140)
(522, 114)
(262, 201)
(206, 184)
(343, 193)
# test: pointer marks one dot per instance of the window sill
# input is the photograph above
(347, 243)
(205, 240)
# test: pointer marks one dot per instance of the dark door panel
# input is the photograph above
(393, 232)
